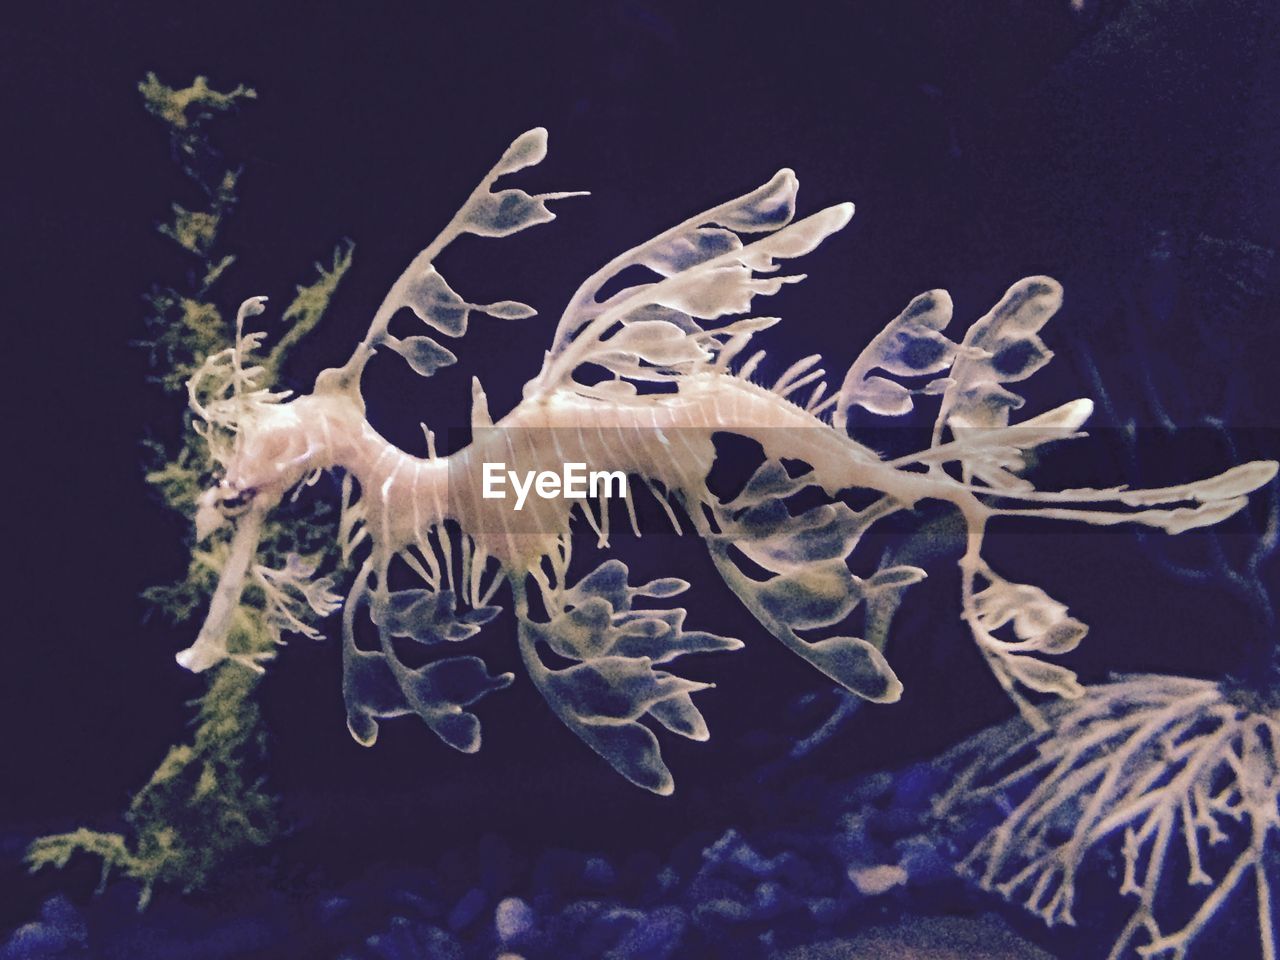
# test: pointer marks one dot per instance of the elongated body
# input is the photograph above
(664, 439)
(673, 380)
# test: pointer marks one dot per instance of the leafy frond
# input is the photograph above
(421, 288)
(704, 270)
(811, 587)
(612, 682)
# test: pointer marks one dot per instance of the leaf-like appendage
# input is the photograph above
(508, 310)
(500, 213)
(679, 715)
(1062, 637)
(486, 213)
(857, 666)
(371, 692)
(894, 578)
(504, 213)
(1060, 423)
(758, 523)
(718, 291)
(1040, 625)
(1002, 348)
(1044, 677)
(1029, 608)
(705, 272)
(799, 238)
(662, 587)
(428, 616)
(614, 684)
(436, 304)
(614, 689)
(769, 482)
(667, 644)
(818, 595)
(918, 354)
(581, 633)
(1227, 486)
(880, 396)
(982, 405)
(911, 345)
(527, 150)
(632, 750)
(768, 207)
(608, 582)
(813, 587)
(456, 680)
(654, 311)
(423, 354)
(689, 250)
(827, 532)
(377, 685)
(439, 691)
(658, 342)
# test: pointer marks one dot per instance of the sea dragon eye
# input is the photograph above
(235, 503)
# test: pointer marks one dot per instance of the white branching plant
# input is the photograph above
(1180, 776)
(640, 382)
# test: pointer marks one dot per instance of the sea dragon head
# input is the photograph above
(254, 439)
(260, 448)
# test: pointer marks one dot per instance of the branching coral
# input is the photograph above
(1173, 772)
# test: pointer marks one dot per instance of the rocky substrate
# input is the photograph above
(860, 863)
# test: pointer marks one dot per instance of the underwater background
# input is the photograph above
(1128, 149)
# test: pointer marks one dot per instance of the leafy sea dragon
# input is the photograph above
(670, 351)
